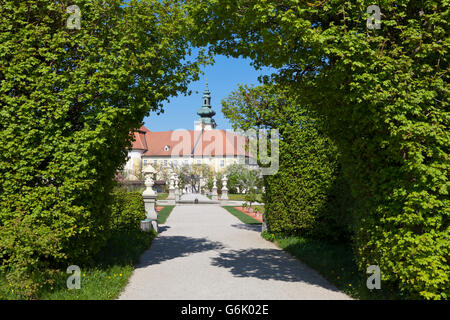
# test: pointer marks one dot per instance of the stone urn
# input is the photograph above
(224, 188)
(171, 195)
(214, 190)
(177, 189)
(149, 196)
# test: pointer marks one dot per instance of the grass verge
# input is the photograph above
(162, 196)
(241, 197)
(104, 277)
(241, 216)
(164, 214)
(335, 262)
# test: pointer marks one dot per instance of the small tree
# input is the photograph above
(251, 197)
(234, 174)
(192, 173)
(249, 180)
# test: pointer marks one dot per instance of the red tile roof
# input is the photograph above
(140, 142)
(187, 142)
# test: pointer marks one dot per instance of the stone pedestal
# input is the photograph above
(263, 225)
(150, 202)
(177, 191)
(146, 225)
(149, 196)
(177, 194)
(214, 190)
(171, 195)
(224, 194)
(224, 188)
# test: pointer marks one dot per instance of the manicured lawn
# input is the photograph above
(162, 196)
(241, 197)
(335, 262)
(164, 214)
(241, 216)
(105, 277)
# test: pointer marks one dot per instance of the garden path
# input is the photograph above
(204, 252)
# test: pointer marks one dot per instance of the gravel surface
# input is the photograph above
(204, 252)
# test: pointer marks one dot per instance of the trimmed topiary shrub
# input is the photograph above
(128, 210)
(308, 195)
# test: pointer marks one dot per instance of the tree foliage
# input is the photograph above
(384, 96)
(190, 175)
(127, 210)
(241, 177)
(302, 196)
(68, 100)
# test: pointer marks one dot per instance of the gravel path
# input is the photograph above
(204, 252)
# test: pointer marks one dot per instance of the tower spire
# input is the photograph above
(206, 112)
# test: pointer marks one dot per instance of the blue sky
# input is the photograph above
(223, 78)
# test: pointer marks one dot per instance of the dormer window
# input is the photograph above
(166, 148)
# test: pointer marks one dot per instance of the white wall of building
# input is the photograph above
(218, 163)
(133, 166)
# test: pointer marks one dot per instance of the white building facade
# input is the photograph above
(204, 145)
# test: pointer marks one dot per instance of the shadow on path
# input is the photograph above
(268, 264)
(162, 228)
(171, 247)
(250, 227)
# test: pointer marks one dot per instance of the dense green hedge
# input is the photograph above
(384, 96)
(125, 244)
(305, 196)
(128, 210)
(69, 99)
(308, 195)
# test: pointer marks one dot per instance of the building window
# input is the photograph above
(222, 163)
(186, 162)
(145, 163)
(175, 162)
(155, 162)
(199, 161)
(166, 148)
(165, 163)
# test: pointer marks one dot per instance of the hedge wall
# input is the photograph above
(128, 210)
(384, 96)
(69, 99)
(308, 195)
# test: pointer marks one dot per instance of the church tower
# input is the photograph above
(206, 113)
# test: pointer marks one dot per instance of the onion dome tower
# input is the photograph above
(206, 113)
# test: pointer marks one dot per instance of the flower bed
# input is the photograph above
(255, 215)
